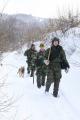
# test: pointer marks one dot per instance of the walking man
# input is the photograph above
(41, 67)
(57, 60)
(31, 56)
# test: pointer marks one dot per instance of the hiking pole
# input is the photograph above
(33, 77)
(33, 73)
(49, 53)
(47, 61)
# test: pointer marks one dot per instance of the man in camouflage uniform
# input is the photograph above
(31, 56)
(41, 67)
(57, 56)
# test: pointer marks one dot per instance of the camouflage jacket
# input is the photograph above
(57, 57)
(31, 56)
(40, 65)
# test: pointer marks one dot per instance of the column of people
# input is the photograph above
(48, 64)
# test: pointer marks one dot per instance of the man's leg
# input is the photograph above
(28, 69)
(32, 71)
(56, 88)
(43, 80)
(38, 80)
(49, 80)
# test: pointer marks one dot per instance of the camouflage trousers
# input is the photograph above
(53, 76)
(40, 80)
(40, 77)
(30, 69)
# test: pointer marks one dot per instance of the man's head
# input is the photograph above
(32, 46)
(55, 41)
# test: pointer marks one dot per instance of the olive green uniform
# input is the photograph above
(57, 55)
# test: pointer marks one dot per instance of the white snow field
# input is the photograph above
(32, 103)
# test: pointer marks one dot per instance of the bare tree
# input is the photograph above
(68, 21)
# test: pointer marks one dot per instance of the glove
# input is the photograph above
(46, 62)
(67, 70)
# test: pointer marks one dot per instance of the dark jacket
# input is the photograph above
(57, 55)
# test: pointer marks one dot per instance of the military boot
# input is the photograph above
(31, 73)
(28, 70)
(55, 93)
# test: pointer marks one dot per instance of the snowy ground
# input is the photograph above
(32, 103)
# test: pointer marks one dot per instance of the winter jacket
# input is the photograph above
(31, 56)
(57, 56)
(41, 67)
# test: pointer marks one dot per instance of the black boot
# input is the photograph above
(38, 83)
(28, 71)
(46, 90)
(55, 93)
(31, 74)
(39, 86)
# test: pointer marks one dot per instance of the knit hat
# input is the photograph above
(55, 39)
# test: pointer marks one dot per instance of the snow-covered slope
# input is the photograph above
(29, 102)
(70, 41)
(32, 103)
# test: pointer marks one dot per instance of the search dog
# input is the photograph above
(21, 71)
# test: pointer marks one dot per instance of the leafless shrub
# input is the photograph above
(68, 21)
(14, 33)
(64, 22)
